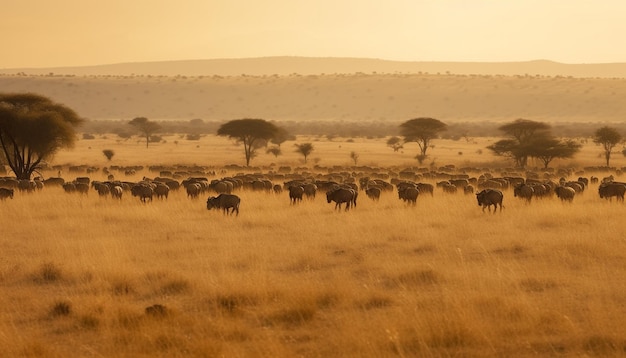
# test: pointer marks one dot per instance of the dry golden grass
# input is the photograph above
(91, 276)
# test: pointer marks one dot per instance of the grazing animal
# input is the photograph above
(373, 193)
(469, 189)
(221, 186)
(565, 193)
(143, 191)
(577, 186)
(309, 190)
(161, 190)
(82, 188)
(227, 202)
(102, 189)
(342, 195)
(116, 192)
(408, 194)
(425, 188)
(70, 187)
(610, 189)
(488, 197)
(523, 191)
(6, 193)
(193, 190)
(295, 193)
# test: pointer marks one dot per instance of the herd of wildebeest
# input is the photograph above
(340, 185)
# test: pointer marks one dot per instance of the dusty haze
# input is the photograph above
(297, 89)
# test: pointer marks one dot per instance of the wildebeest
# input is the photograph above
(295, 193)
(565, 193)
(309, 190)
(408, 194)
(102, 188)
(82, 188)
(6, 193)
(373, 193)
(116, 192)
(227, 202)
(425, 188)
(193, 190)
(523, 191)
(161, 190)
(488, 197)
(70, 187)
(143, 191)
(342, 195)
(610, 189)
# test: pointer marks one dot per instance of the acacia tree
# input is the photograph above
(519, 146)
(32, 129)
(276, 151)
(280, 137)
(548, 148)
(146, 127)
(422, 130)
(249, 132)
(109, 153)
(305, 149)
(354, 156)
(395, 143)
(608, 138)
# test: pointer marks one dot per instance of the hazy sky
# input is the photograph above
(49, 33)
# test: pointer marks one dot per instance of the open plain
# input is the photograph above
(83, 275)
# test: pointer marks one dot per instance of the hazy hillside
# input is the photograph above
(309, 65)
(356, 97)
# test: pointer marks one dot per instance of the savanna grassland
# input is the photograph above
(385, 279)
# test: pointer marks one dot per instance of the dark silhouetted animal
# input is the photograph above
(227, 202)
(488, 197)
(295, 193)
(610, 189)
(565, 193)
(342, 195)
(143, 191)
(523, 191)
(373, 193)
(408, 194)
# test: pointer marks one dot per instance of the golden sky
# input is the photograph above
(53, 33)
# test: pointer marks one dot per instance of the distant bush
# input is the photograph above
(88, 136)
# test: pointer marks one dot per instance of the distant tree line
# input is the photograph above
(196, 128)
(33, 128)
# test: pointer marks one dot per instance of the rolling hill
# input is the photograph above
(286, 65)
(297, 89)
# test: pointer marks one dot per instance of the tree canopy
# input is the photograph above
(248, 131)
(146, 127)
(32, 129)
(548, 148)
(422, 130)
(530, 139)
(608, 138)
(305, 149)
